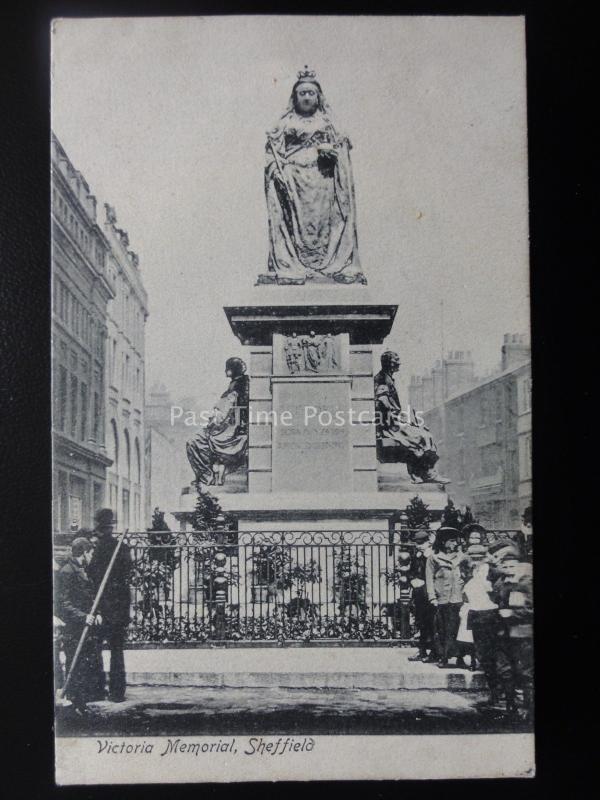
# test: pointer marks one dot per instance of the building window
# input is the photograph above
(74, 406)
(75, 513)
(136, 510)
(84, 411)
(113, 452)
(513, 463)
(483, 409)
(78, 330)
(125, 509)
(526, 395)
(113, 364)
(113, 500)
(488, 460)
(526, 456)
(499, 404)
(138, 463)
(97, 418)
(98, 496)
(62, 398)
(127, 456)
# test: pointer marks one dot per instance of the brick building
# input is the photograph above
(483, 432)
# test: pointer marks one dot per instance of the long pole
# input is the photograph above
(86, 628)
(444, 382)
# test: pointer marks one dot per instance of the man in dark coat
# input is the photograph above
(424, 610)
(74, 599)
(115, 603)
(524, 537)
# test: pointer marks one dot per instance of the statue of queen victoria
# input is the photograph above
(310, 193)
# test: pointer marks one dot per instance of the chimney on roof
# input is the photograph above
(515, 350)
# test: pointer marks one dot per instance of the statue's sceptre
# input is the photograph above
(278, 163)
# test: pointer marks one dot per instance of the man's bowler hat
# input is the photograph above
(104, 518)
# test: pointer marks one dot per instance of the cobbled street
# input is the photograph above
(158, 711)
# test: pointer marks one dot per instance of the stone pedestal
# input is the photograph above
(312, 425)
(312, 454)
(312, 459)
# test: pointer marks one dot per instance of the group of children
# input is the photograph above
(475, 600)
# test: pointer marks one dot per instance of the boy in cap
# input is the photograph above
(445, 582)
(116, 598)
(424, 611)
(74, 599)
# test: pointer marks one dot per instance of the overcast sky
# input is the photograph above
(166, 119)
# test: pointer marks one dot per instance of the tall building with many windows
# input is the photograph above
(483, 433)
(125, 384)
(81, 291)
(99, 310)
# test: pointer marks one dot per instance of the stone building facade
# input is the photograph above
(81, 292)
(166, 437)
(99, 309)
(483, 432)
(125, 384)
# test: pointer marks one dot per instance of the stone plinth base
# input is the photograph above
(318, 511)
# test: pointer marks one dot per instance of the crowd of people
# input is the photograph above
(473, 600)
(471, 593)
(77, 583)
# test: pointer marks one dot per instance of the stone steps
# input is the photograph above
(305, 667)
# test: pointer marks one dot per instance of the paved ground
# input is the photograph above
(168, 710)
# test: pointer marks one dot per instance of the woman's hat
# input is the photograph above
(420, 537)
(444, 534)
(503, 550)
(472, 527)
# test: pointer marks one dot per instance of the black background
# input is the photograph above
(561, 102)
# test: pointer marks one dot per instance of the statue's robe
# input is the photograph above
(310, 203)
(225, 439)
(413, 443)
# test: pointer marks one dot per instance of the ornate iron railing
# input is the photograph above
(272, 586)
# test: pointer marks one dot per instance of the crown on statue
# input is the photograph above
(307, 74)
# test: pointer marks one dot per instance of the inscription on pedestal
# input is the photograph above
(312, 451)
